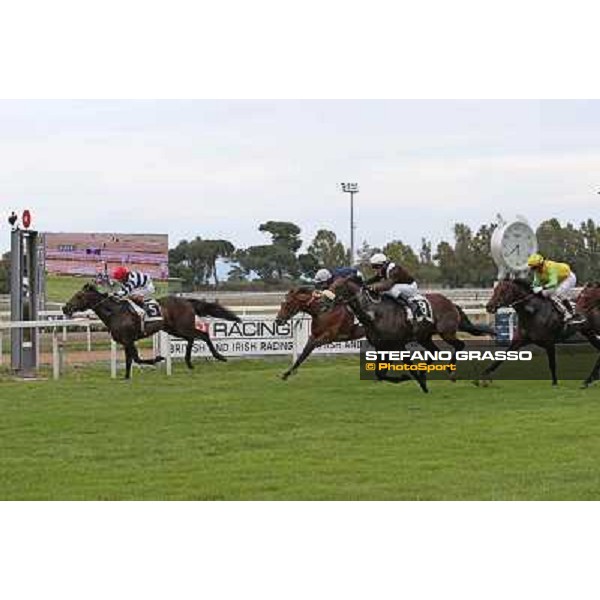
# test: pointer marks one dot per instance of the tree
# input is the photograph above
(215, 249)
(308, 264)
(283, 233)
(5, 273)
(275, 261)
(270, 262)
(402, 254)
(591, 242)
(236, 274)
(196, 261)
(483, 269)
(364, 254)
(428, 271)
(448, 264)
(327, 250)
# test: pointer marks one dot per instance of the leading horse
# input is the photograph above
(327, 326)
(178, 319)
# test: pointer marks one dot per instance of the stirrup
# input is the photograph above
(575, 319)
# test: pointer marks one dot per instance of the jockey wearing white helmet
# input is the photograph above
(322, 278)
(395, 281)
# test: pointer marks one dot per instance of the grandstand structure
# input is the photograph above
(94, 253)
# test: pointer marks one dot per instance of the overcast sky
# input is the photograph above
(219, 168)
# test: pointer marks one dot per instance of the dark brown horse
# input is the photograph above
(179, 319)
(539, 322)
(335, 325)
(387, 326)
(588, 304)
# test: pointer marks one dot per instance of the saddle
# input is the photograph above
(417, 306)
(151, 308)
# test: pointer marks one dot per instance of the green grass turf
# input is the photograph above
(235, 431)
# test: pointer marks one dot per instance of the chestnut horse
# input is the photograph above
(588, 304)
(335, 325)
(179, 319)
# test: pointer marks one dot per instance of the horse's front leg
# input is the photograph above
(311, 344)
(551, 354)
(128, 361)
(515, 344)
(593, 376)
(143, 361)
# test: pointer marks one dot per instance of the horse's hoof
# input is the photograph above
(284, 376)
(475, 382)
(159, 359)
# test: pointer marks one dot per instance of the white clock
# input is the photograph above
(511, 245)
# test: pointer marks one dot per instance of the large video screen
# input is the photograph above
(92, 253)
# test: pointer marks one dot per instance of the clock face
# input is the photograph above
(518, 244)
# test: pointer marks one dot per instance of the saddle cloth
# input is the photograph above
(424, 305)
(152, 310)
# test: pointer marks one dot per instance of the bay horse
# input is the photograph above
(179, 319)
(588, 304)
(387, 326)
(335, 325)
(539, 322)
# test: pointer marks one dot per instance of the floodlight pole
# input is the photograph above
(351, 188)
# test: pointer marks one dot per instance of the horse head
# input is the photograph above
(84, 299)
(296, 300)
(507, 293)
(345, 288)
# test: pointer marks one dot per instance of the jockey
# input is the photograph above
(324, 278)
(136, 287)
(554, 280)
(395, 281)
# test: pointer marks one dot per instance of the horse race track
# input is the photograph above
(235, 431)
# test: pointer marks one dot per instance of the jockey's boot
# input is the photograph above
(570, 318)
(141, 313)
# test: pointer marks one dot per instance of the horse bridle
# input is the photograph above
(104, 299)
(371, 296)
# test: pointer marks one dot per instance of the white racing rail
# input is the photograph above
(257, 335)
(57, 354)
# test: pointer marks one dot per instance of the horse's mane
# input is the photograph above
(92, 287)
(303, 289)
(523, 284)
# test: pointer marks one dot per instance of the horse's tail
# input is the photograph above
(467, 326)
(204, 308)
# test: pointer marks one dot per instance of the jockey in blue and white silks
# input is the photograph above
(136, 287)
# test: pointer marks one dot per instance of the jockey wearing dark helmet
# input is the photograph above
(324, 277)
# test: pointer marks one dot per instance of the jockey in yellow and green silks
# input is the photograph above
(554, 280)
